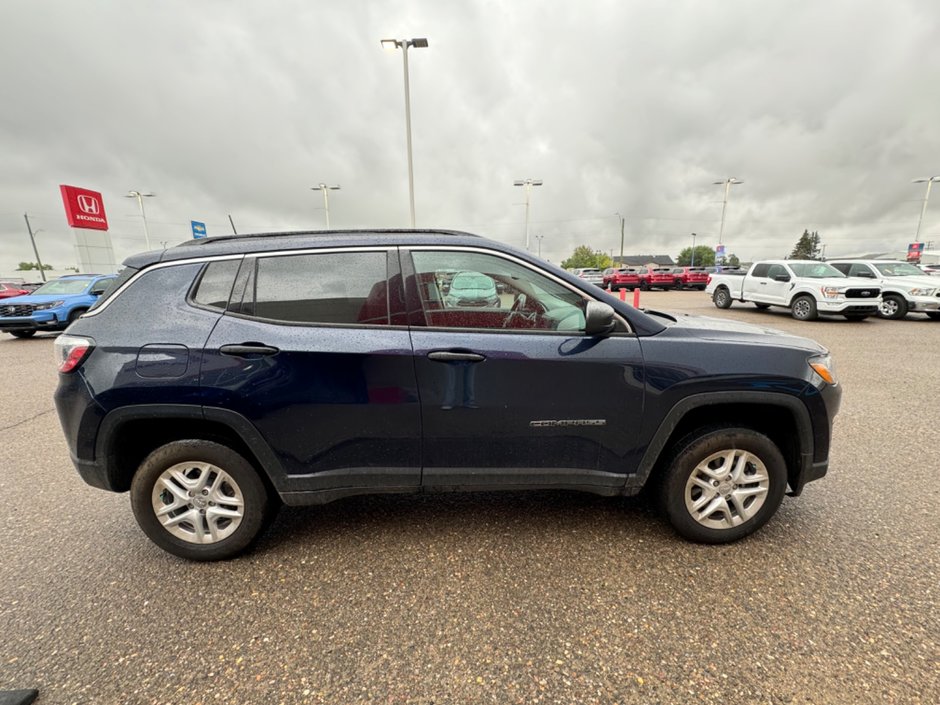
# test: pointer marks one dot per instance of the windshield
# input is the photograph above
(64, 286)
(815, 270)
(899, 269)
(472, 281)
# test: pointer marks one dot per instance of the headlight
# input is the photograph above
(922, 292)
(824, 367)
(830, 292)
(48, 304)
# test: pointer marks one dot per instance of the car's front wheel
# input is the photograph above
(199, 500)
(803, 308)
(22, 333)
(893, 307)
(722, 483)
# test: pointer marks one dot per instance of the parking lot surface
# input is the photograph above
(495, 598)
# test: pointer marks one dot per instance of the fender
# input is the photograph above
(656, 445)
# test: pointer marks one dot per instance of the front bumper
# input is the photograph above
(923, 303)
(837, 307)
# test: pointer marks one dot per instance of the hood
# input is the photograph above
(725, 330)
(915, 282)
(34, 299)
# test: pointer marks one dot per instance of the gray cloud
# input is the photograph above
(825, 110)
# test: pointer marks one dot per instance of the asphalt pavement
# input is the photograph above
(495, 598)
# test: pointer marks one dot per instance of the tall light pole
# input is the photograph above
(929, 181)
(692, 263)
(404, 44)
(539, 238)
(527, 184)
(621, 236)
(724, 204)
(32, 239)
(326, 201)
(140, 196)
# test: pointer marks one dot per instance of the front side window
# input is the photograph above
(477, 290)
(327, 288)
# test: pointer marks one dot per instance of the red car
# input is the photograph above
(690, 278)
(625, 278)
(656, 278)
(8, 290)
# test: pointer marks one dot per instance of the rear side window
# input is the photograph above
(328, 288)
(760, 270)
(215, 285)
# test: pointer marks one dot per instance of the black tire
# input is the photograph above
(722, 297)
(22, 333)
(678, 283)
(803, 308)
(893, 306)
(692, 472)
(74, 315)
(241, 483)
(762, 307)
(644, 286)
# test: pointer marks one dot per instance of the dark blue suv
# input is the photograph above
(53, 306)
(220, 378)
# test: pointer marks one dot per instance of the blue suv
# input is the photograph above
(223, 377)
(53, 306)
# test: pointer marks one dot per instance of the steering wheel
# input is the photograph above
(518, 311)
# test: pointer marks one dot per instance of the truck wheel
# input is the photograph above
(199, 500)
(762, 307)
(893, 307)
(722, 483)
(22, 333)
(722, 297)
(803, 308)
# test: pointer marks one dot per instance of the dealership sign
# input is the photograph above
(84, 208)
(914, 251)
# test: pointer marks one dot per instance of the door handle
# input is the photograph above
(246, 349)
(448, 356)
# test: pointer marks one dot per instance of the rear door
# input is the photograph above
(515, 394)
(314, 353)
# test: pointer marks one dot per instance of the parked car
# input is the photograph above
(690, 278)
(904, 287)
(807, 287)
(624, 278)
(656, 278)
(53, 306)
(933, 269)
(471, 289)
(8, 290)
(591, 275)
(220, 378)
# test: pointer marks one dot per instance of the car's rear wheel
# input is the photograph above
(722, 483)
(22, 333)
(199, 500)
(893, 307)
(803, 308)
(722, 297)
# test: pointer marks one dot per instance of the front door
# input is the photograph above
(513, 393)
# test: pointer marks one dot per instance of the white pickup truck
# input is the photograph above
(807, 287)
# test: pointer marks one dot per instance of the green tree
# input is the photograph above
(27, 266)
(584, 256)
(733, 260)
(807, 247)
(704, 256)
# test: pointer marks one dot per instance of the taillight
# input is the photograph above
(709, 280)
(70, 350)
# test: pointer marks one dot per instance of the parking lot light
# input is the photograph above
(929, 181)
(140, 196)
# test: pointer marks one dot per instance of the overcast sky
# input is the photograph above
(826, 110)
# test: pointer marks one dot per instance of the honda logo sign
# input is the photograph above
(83, 208)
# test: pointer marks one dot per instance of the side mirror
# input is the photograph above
(782, 278)
(598, 318)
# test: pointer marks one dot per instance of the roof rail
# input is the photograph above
(324, 233)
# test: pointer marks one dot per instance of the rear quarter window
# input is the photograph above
(215, 284)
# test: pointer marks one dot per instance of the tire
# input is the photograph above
(893, 307)
(74, 315)
(722, 297)
(803, 308)
(678, 283)
(233, 498)
(735, 472)
(22, 333)
(644, 286)
(762, 307)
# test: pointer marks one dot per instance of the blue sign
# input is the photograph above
(720, 250)
(199, 230)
